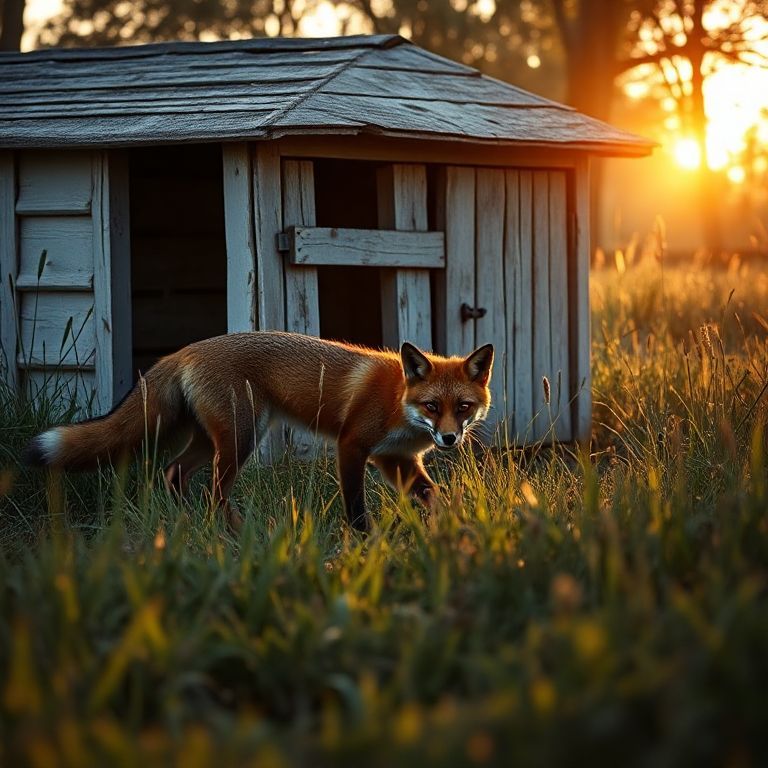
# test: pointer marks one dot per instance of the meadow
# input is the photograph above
(604, 607)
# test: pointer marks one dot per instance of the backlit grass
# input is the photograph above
(561, 608)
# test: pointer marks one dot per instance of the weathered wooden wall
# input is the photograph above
(63, 323)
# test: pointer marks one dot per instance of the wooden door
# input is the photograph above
(507, 282)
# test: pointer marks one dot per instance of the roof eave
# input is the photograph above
(631, 148)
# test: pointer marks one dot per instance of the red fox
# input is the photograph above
(212, 402)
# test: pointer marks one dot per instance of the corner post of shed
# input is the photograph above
(239, 233)
(268, 221)
(270, 268)
(580, 306)
(8, 269)
(111, 276)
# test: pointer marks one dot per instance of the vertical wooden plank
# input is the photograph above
(270, 274)
(455, 285)
(541, 304)
(558, 291)
(511, 263)
(302, 304)
(102, 282)
(241, 251)
(120, 243)
(268, 220)
(580, 335)
(489, 289)
(405, 293)
(8, 268)
(523, 312)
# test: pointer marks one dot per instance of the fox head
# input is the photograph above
(446, 395)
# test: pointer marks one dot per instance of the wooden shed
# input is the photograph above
(358, 188)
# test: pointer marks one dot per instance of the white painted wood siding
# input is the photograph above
(71, 270)
(8, 268)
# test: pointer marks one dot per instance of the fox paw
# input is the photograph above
(427, 495)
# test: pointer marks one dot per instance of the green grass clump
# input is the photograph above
(560, 608)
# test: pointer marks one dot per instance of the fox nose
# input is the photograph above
(449, 438)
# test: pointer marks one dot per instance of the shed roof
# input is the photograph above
(266, 88)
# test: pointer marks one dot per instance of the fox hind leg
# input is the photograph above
(197, 453)
(232, 444)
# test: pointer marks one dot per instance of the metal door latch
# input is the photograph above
(472, 313)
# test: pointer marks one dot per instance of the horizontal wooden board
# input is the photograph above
(68, 242)
(54, 182)
(44, 322)
(327, 246)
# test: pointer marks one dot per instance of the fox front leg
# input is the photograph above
(408, 476)
(352, 461)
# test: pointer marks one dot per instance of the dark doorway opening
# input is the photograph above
(178, 249)
(349, 297)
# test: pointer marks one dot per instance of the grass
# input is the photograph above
(561, 608)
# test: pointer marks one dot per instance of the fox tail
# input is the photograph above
(152, 407)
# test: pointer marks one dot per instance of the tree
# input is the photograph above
(11, 24)
(112, 22)
(677, 37)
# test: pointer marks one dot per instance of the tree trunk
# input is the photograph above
(708, 180)
(11, 24)
(590, 42)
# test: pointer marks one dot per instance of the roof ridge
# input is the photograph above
(182, 47)
(302, 97)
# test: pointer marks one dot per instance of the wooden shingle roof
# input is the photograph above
(266, 88)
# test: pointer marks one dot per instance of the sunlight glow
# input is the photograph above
(687, 153)
(735, 95)
(533, 61)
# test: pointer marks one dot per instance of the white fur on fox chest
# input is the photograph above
(403, 441)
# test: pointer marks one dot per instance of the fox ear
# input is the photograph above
(415, 364)
(478, 364)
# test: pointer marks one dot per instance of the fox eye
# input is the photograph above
(463, 407)
(431, 407)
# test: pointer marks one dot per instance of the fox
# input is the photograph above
(212, 402)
